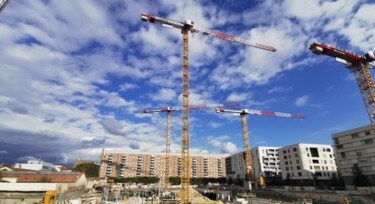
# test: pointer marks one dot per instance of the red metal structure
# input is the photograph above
(360, 66)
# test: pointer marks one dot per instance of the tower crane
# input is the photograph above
(360, 66)
(185, 27)
(243, 113)
(169, 110)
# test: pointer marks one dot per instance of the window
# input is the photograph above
(291, 168)
(299, 174)
(286, 162)
(294, 149)
(359, 154)
(297, 161)
(288, 151)
(339, 146)
(315, 161)
(314, 152)
(343, 155)
(355, 135)
(325, 161)
(369, 141)
(328, 150)
(287, 168)
(308, 155)
(289, 156)
(330, 156)
(284, 151)
(296, 155)
(336, 140)
(285, 157)
(310, 167)
(290, 162)
(367, 132)
(298, 168)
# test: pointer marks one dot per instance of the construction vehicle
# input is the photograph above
(186, 27)
(169, 110)
(243, 113)
(360, 66)
(50, 197)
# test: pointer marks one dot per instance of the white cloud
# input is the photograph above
(280, 89)
(164, 95)
(128, 86)
(215, 125)
(239, 97)
(301, 101)
(221, 145)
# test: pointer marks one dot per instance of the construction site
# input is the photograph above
(236, 178)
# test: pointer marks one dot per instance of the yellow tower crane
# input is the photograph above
(243, 113)
(185, 27)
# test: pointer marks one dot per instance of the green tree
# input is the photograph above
(90, 169)
(359, 178)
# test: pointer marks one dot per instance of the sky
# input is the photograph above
(75, 75)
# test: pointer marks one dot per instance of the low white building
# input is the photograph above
(37, 165)
(302, 161)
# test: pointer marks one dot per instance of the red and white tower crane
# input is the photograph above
(169, 110)
(360, 66)
(243, 113)
(185, 27)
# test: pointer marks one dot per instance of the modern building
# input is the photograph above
(306, 161)
(235, 166)
(37, 165)
(265, 163)
(153, 164)
(355, 147)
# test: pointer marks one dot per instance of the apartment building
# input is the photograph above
(355, 147)
(153, 164)
(301, 161)
(265, 162)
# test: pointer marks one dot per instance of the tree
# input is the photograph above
(45, 179)
(90, 169)
(359, 178)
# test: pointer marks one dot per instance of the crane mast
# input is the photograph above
(360, 66)
(168, 138)
(185, 27)
(245, 132)
(3, 4)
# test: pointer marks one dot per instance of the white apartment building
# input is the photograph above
(355, 147)
(266, 162)
(37, 165)
(301, 161)
(236, 166)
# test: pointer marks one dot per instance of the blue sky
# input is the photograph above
(75, 74)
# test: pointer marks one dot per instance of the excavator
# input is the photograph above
(50, 197)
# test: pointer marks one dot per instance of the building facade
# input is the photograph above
(355, 147)
(37, 165)
(266, 162)
(153, 164)
(306, 161)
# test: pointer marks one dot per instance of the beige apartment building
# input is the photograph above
(355, 147)
(125, 164)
